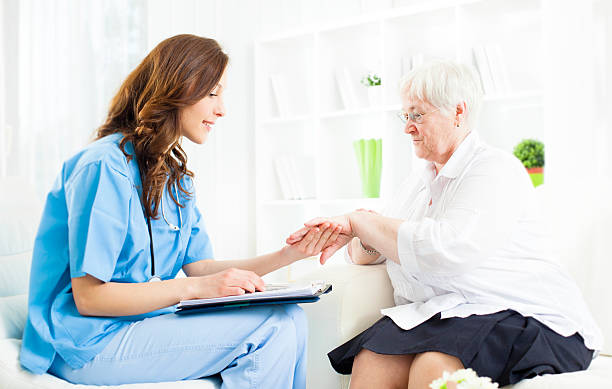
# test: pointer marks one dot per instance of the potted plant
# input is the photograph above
(531, 153)
(373, 83)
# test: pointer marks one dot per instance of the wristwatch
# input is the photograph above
(369, 252)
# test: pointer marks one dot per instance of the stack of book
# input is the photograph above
(492, 70)
(295, 176)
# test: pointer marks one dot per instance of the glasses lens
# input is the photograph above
(402, 116)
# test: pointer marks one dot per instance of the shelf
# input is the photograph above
(270, 203)
(321, 201)
(326, 108)
(533, 94)
(285, 120)
(360, 111)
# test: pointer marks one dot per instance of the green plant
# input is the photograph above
(530, 152)
(371, 79)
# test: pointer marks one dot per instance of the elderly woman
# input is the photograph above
(474, 284)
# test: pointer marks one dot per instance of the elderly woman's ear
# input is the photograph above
(460, 114)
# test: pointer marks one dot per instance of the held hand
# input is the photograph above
(313, 241)
(342, 221)
(332, 245)
(229, 282)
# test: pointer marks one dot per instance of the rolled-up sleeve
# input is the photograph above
(199, 246)
(475, 221)
(98, 204)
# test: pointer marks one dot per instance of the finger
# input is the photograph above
(258, 282)
(315, 222)
(324, 239)
(232, 291)
(303, 244)
(249, 280)
(297, 235)
(242, 281)
(310, 247)
(334, 236)
(328, 252)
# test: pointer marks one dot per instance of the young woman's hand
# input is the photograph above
(229, 282)
(313, 241)
(332, 245)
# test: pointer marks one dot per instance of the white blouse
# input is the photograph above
(479, 247)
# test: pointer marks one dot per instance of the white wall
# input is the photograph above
(225, 166)
(225, 176)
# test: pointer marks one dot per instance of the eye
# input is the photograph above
(212, 95)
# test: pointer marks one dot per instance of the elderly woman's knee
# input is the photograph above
(433, 360)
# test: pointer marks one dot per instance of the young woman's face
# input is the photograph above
(197, 120)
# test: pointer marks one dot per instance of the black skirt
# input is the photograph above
(505, 346)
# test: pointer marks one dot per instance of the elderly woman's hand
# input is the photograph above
(335, 241)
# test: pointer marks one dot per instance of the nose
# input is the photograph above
(220, 109)
(409, 128)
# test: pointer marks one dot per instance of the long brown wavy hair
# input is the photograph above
(177, 73)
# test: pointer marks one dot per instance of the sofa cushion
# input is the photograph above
(14, 273)
(12, 375)
(599, 375)
(580, 222)
(13, 314)
(20, 210)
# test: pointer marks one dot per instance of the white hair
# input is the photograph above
(445, 84)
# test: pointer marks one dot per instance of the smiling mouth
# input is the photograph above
(208, 125)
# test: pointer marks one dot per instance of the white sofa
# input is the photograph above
(577, 219)
(19, 216)
(358, 295)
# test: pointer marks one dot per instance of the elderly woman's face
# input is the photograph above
(434, 137)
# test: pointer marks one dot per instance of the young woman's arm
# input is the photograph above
(207, 278)
(264, 264)
(97, 298)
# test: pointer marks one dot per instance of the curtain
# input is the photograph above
(578, 129)
(70, 59)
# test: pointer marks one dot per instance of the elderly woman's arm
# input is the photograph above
(375, 231)
(477, 220)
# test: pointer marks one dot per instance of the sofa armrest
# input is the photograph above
(358, 295)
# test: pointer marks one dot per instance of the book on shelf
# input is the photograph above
(295, 176)
(410, 62)
(484, 70)
(346, 88)
(282, 173)
(499, 71)
(278, 83)
(492, 69)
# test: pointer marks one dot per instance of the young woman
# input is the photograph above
(122, 214)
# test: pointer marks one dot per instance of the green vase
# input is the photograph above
(369, 161)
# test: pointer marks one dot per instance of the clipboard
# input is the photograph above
(290, 296)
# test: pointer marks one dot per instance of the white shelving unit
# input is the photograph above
(312, 122)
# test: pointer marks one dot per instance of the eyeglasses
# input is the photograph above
(414, 117)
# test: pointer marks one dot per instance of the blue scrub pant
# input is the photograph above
(255, 347)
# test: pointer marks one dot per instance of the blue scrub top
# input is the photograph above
(93, 223)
